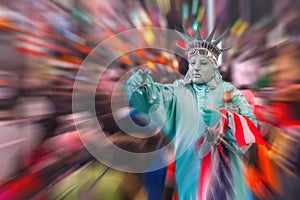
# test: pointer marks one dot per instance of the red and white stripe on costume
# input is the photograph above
(213, 174)
(243, 129)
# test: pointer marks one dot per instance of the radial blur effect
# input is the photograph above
(44, 43)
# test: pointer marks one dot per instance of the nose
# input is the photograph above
(196, 67)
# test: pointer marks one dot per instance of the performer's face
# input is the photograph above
(201, 68)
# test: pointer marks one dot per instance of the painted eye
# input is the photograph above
(193, 63)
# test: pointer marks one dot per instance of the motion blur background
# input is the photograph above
(43, 44)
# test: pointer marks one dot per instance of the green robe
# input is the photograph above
(177, 108)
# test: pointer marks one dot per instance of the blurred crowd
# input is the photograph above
(43, 45)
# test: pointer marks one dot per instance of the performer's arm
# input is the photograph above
(243, 124)
(151, 98)
(244, 107)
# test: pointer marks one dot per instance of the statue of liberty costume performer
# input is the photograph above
(208, 120)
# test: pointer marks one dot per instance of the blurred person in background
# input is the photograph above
(10, 137)
(286, 80)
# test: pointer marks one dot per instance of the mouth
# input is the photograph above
(196, 75)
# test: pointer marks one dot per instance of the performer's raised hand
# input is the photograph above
(139, 78)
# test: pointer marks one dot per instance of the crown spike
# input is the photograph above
(225, 49)
(199, 37)
(185, 38)
(211, 35)
(221, 37)
(186, 33)
(198, 42)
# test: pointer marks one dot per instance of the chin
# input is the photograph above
(197, 81)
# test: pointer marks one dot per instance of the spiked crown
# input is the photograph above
(207, 47)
